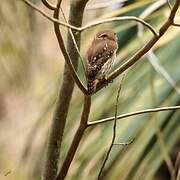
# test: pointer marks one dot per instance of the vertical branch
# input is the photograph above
(77, 138)
(65, 92)
(75, 44)
(48, 5)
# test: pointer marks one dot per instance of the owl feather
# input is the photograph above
(100, 58)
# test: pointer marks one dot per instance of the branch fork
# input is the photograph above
(51, 173)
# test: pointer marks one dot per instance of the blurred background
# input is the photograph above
(31, 67)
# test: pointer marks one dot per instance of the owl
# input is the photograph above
(100, 57)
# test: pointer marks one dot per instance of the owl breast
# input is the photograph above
(106, 68)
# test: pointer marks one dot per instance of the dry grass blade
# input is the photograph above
(152, 58)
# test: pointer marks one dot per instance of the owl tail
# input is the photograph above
(92, 83)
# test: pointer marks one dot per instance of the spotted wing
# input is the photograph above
(98, 55)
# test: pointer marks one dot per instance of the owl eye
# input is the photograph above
(102, 36)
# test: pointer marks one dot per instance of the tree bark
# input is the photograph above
(64, 96)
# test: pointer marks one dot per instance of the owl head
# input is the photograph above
(106, 35)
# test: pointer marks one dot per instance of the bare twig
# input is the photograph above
(66, 55)
(77, 138)
(169, 4)
(145, 111)
(49, 17)
(80, 29)
(65, 92)
(75, 44)
(55, 138)
(175, 24)
(144, 49)
(124, 18)
(114, 130)
(48, 5)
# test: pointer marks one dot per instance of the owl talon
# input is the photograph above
(105, 82)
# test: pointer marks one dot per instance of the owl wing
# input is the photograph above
(98, 54)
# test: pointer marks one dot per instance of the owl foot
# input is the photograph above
(105, 81)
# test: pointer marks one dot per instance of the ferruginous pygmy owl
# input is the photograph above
(100, 56)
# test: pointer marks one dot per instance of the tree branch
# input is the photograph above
(66, 55)
(65, 93)
(169, 4)
(152, 58)
(62, 46)
(54, 20)
(75, 44)
(124, 18)
(77, 138)
(80, 29)
(145, 111)
(144, 49)
(48, 5)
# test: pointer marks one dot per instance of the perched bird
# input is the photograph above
(100, 57)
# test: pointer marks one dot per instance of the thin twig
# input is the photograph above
(114, 131)
(145, 111)
(66, 55)
(61, 44)
(50, 168)
(48, 5)
(124, 18)
(75, 44)
(169, 4)
(64, 93)
(80, 29)
(77, 138)
(176, 24)
(54, 20)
